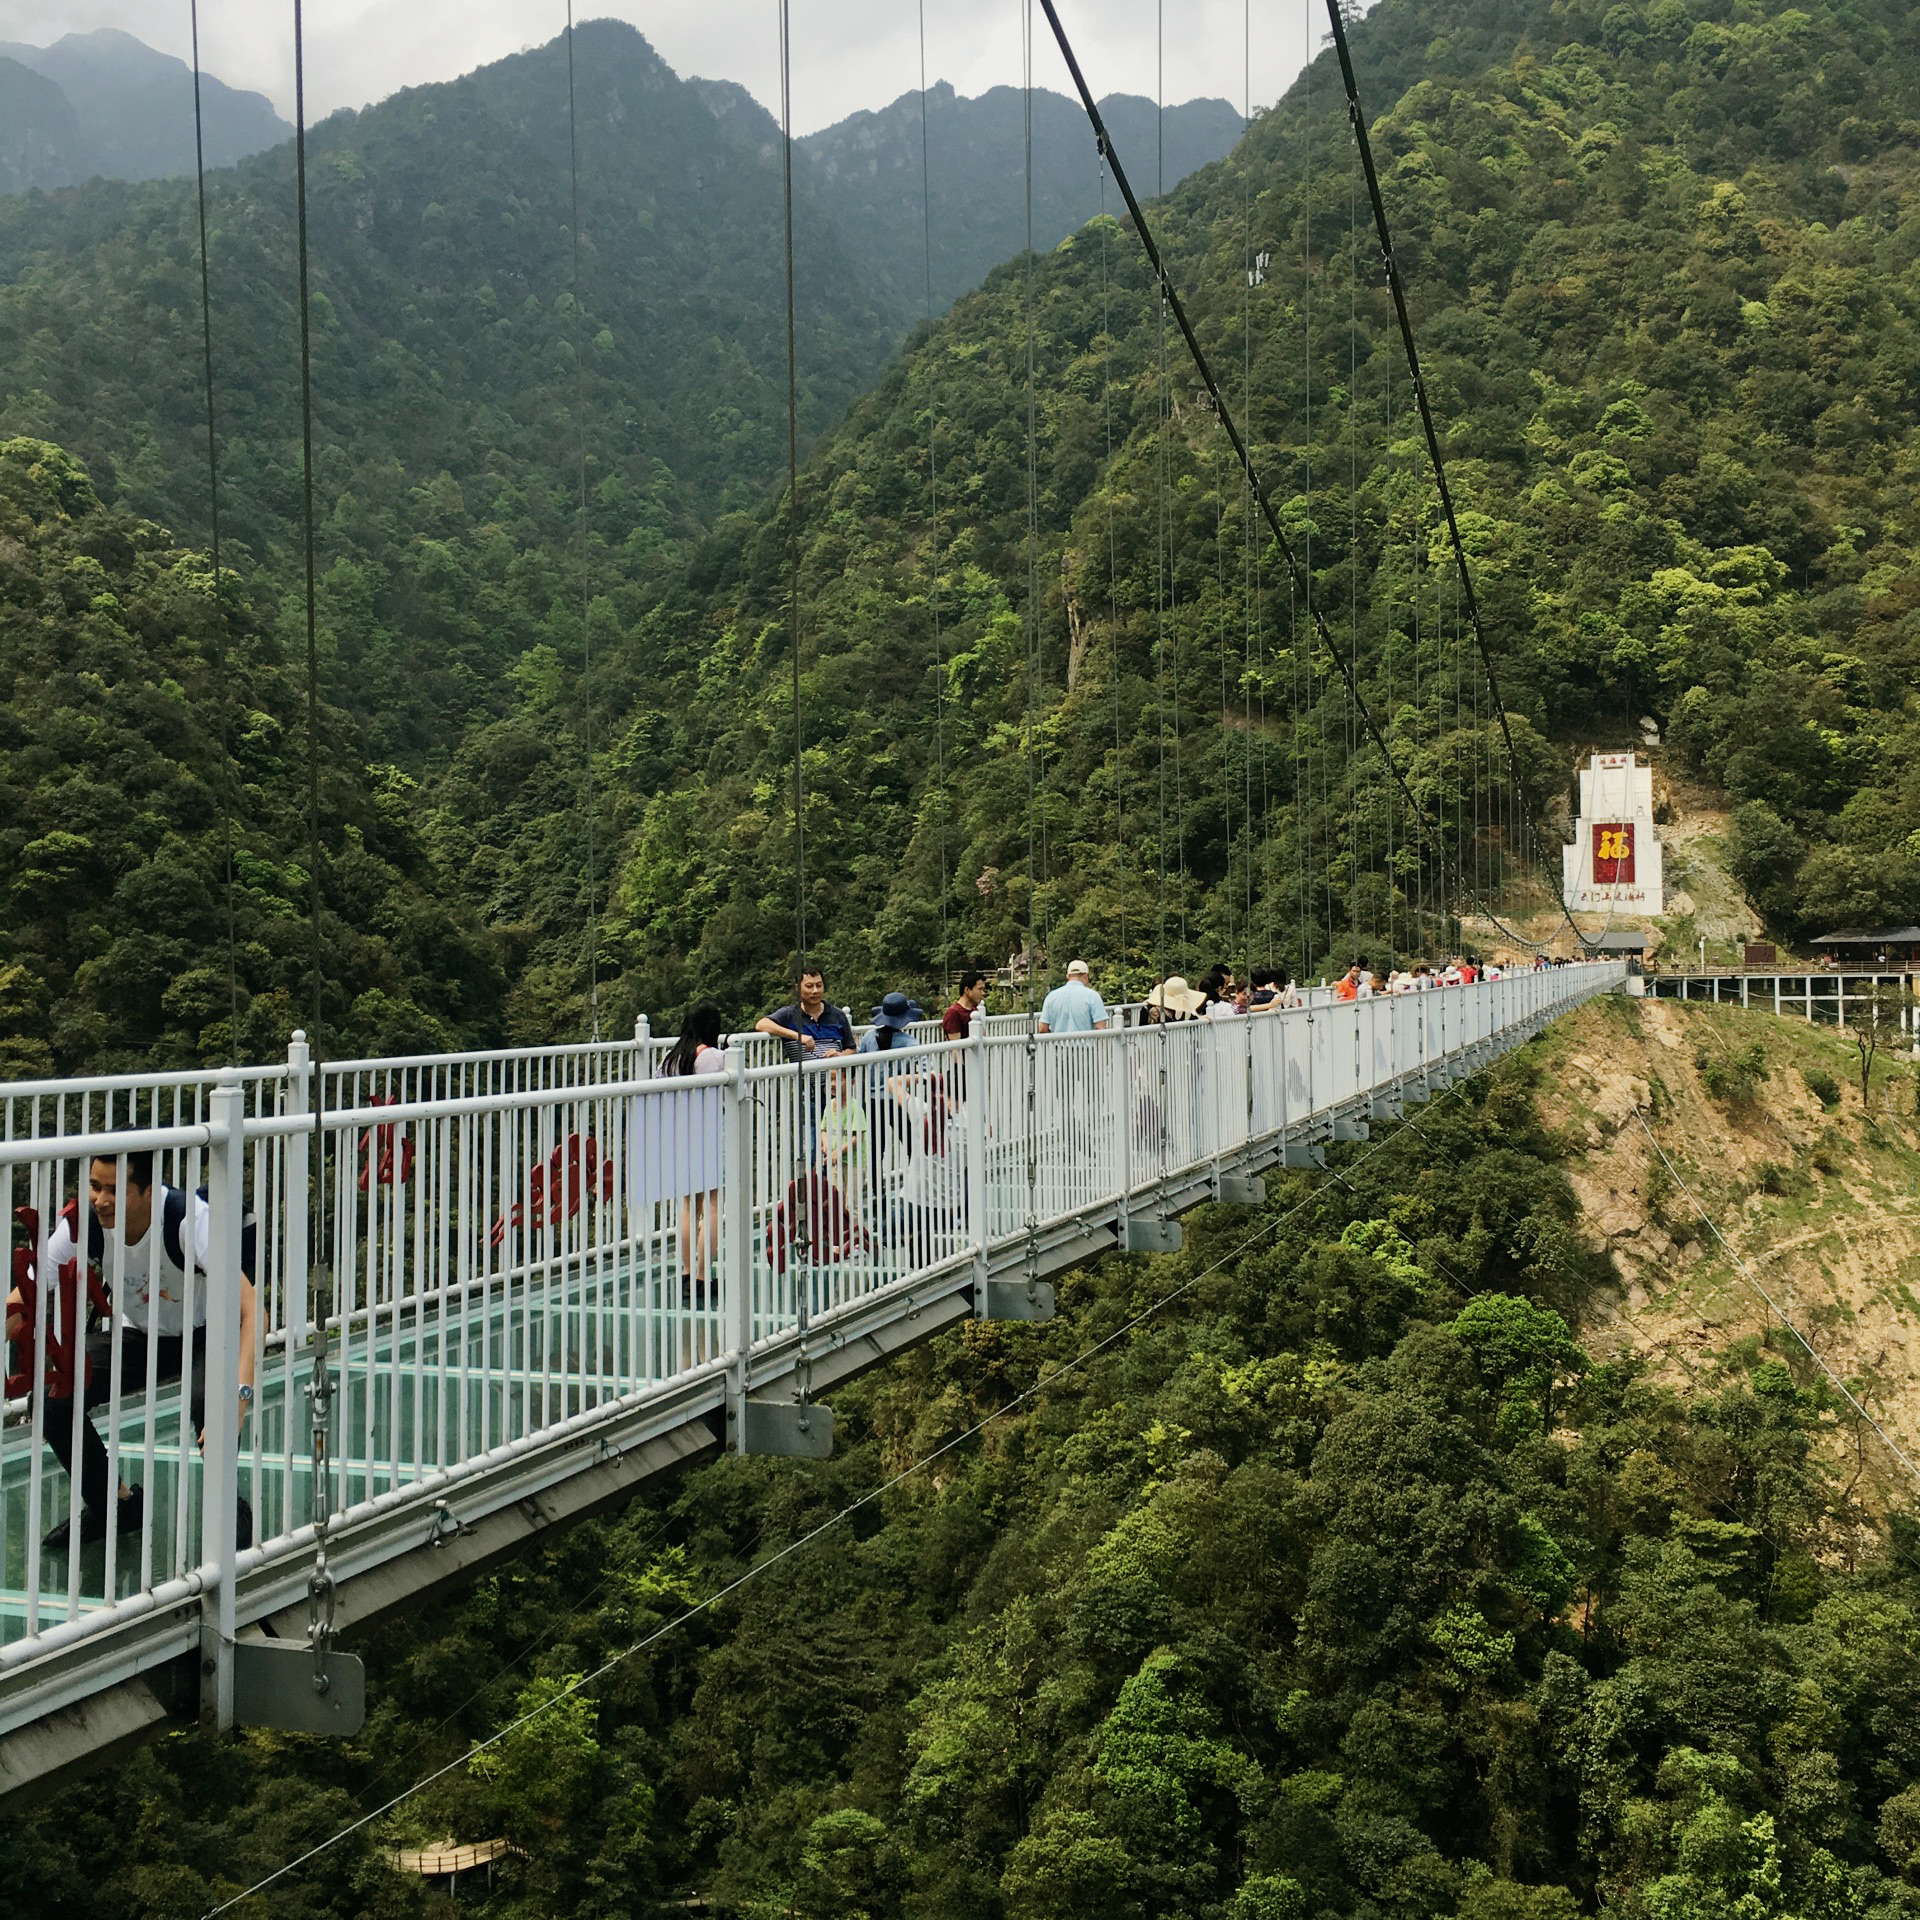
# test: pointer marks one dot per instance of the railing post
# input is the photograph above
(220, 1445)
(299, 1167)
(737, 1238)
(978, 1109)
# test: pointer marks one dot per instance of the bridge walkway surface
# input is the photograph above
(543, 1276)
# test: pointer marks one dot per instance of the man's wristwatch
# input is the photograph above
(246, 1396)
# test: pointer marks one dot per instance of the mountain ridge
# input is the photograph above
(132, 108)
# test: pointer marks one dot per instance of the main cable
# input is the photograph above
(1177, 308)
(1396, 287)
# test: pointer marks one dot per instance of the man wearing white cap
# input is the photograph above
(1075, 1007)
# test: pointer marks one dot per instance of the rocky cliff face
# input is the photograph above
(1701, 1134)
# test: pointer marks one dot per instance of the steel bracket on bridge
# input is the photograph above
(1019, 1300)
(788, 1429)
(277, 1683)
(1139, 1234)
(1349, 1127)
(1385, 1106)
(1240, 1190)
(1307, 1155)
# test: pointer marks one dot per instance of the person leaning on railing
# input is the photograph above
(154, 1301)
(807, 1025)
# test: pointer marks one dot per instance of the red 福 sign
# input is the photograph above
(1613, 854)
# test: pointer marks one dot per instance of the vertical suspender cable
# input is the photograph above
(933, 529)
(1174, 306)
(793, 490)
(313, 638)
(1361, 816)
(1160, 599)
(1033, 675)
(1310, 884)
(213, 509)
(1247, 667)
(802, 1235)
(1469, 600)
(1113, 578)
(1167, 498)
(586, 600)
(320, 1584)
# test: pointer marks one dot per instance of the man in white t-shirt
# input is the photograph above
(159, 1294)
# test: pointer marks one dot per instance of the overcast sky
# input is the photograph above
(848, 54)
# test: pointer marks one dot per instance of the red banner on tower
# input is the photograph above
(1613, 854)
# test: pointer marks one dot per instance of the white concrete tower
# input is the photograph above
(1614, 862)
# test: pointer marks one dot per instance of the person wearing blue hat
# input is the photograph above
(891, 1018)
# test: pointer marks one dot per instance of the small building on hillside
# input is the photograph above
(1892, 949)
(1614, 863)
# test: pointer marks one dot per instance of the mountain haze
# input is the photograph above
(869, 177)
(132, 113)
(39, 137)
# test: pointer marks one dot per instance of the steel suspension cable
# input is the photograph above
(586, 592)
(1035, 944)
(933, 531)
(801, 1146)
(1250, 629)
(1396, 287)
(1113, 581)
(793, 491)
(229, 783)
(1177, 309)
(314, 935)
(320, 1582)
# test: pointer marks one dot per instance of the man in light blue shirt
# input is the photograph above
(1074, 1008)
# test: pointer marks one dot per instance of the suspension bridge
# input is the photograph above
(491, 1293)
(518, 1333)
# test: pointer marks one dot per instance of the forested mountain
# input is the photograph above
(1663, 262)
(130, 113)
(1347, 1587)
(454, 371)
(867, 171)
(152, 741)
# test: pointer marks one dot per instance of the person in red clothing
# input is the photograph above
(957, 1022)
(1347, 987)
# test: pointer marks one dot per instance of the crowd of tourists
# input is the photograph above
(880, 1151)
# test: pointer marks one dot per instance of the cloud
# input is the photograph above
(847, 54)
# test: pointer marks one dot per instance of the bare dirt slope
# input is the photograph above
(1821, 1202)
(1703, 898)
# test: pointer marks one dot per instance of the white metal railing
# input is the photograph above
(519, 1242)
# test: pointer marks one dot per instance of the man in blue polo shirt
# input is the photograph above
(1075, 1007)
(809, 1028)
